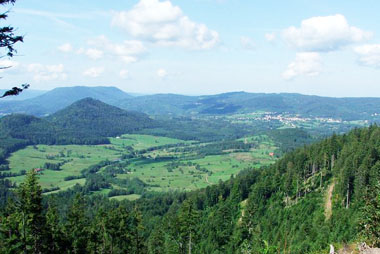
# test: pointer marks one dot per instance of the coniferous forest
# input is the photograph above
(95, 170)
(321, 194)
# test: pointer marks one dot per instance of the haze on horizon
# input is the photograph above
(198, 47)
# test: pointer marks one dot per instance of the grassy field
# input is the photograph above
(187, 177)
(77, 157)
(73, 157)
(190, 171)
(130, 197)
(140, 142)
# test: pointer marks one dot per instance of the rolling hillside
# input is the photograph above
(93, 116)
(87, 121)
(220, 104)
(241, 102)
(59, 98)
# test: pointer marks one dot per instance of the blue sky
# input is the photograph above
(329, 48)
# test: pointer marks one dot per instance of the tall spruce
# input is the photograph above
(77, 226)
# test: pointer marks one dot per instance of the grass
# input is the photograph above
(140, 142)
(74, 157)
(130, 197)
(155, 173)
(186, 177)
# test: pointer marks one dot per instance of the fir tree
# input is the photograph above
(370, 223)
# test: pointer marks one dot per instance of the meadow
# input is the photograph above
(163, 164)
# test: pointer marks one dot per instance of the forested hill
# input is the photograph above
(241, 102)
(94, 116)
(325, 193)
(60, 98)
(220, 104)
(315, 196)
(87, 121)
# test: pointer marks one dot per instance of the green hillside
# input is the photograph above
(85, 122)
(241, 102)
(93, 116)
(59, 98)
(321, 194)
(219, 104)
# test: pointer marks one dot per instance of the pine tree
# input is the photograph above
(187, 219)
(156, 244)
(56, 242)
(9, 231)
(136, 230)
(370, 224)
(24, 226)
(77, 227)
(30, 209)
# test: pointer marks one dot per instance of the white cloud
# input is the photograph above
(93, 72)
(124, 74)
(129, 51)
(5, 64)
(66, 48)
(247, 43)
(47, 72)
(306, 63)
(165, 24)
(270, 36)
(369, 55)
(326, 33)
(162, 73)
(94, 54)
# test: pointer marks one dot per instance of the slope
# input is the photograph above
(285, 202)
(87, 121)
(60, 98)
(93, 116)
(241, 102)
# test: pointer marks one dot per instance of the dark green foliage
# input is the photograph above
(289, 139)
(285, 207)
(23, 227)
(21, 130)
(52, 166)
(204, 130)
(85, 122)
(93, 116)
(241, 102)
(370, 220)
(275, 209)
(77, 227)
(61, 97)
(7, 37)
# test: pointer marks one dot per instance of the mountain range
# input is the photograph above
(59, 98)
(182, 105)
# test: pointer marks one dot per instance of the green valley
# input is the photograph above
(163, 164)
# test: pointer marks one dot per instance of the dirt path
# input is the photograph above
(328, 201)
(207, 180)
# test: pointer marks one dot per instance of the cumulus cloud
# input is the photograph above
(47, 72)
(247, 43)
(129, 51)
(306, 63)
(270, 36)
(93, 72)
(369, 55)
(165, 24)
(93, 53)
(124, 74)
(162, 73)
(324, 34)
(66, 48)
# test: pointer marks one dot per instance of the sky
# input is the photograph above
(319, 47)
